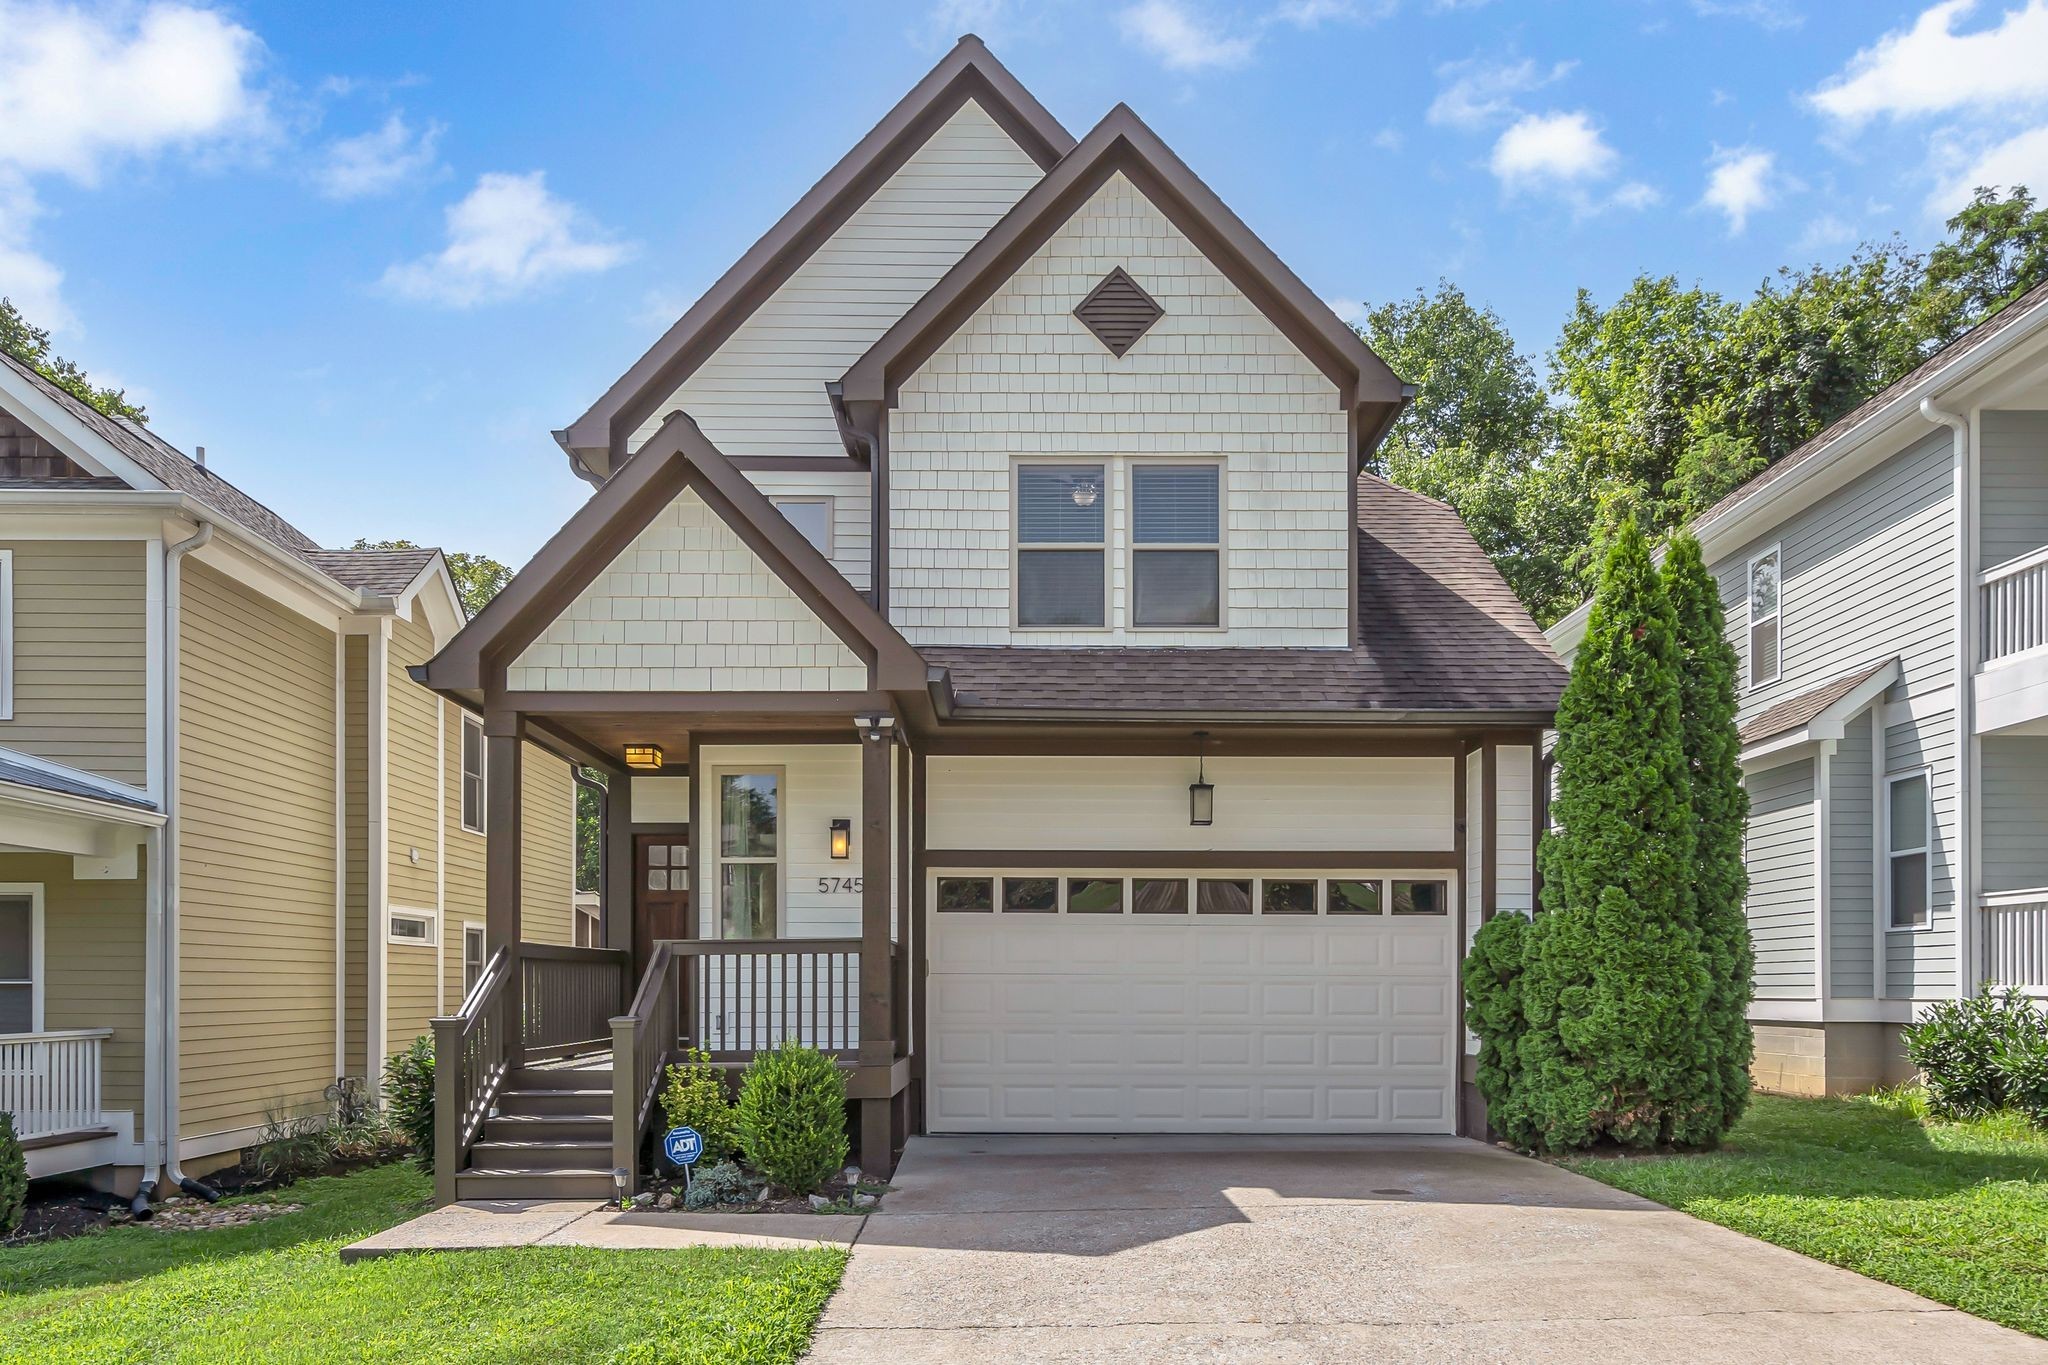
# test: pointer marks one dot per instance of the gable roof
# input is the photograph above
(1123, 143)
(676, 457)
(384, 572)
(596, 441)
(40, 774)
(1439, 634)
(1833, 701)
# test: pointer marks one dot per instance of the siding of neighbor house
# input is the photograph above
(687, 607)
(2012, 471)
(1852, 846)
(356, 853)
(412, 843)
(465, 885)
(2014, 801)
(1212, 378)
(1779, 851)
(257, 868)
(94, 954)
(80, 655)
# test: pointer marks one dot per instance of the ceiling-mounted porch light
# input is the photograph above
(1201, 792)
(644, 756)
(842, 838)
(1085, 492)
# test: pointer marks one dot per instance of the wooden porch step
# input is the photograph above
(586, 1183)
(582, 1078)
(569, 1103)
(548, 1128)
(541, 1156)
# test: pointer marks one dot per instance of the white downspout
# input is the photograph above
(168, 1087)
(1964, 873)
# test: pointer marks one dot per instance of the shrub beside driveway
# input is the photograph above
(1957, 1212)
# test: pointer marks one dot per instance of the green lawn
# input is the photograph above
(275, 1291)
(1955, 1211)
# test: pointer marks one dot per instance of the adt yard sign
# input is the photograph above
(682, 1146)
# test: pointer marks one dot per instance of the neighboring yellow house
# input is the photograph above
(234, 832)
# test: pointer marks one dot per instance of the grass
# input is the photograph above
(275, 1291)
(1957, 1212)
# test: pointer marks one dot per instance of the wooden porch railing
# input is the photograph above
(643, 1040)
(2014, 931)
(2013, 606)
(532, 1002)
(50, 1082)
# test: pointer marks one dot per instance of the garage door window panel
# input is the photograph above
(1422, 898)
(1095, 896)
(1223, 896)
(1287, 897)
(966, 895)
(1159, 896)
(1031, 895)
(1350, 897)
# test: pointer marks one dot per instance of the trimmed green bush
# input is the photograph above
(1957, 1044)
(1615, 987)
(2023, 1069)
(13, 1177)
(1720, 812)
(791, 1117)
(409, 1098)
(693, 1096)
(1493, 1011)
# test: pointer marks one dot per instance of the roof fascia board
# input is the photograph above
(1522, 719)
(63, 430)
(969, 71)
(1123, 142)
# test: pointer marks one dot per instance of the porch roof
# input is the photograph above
(19, 770)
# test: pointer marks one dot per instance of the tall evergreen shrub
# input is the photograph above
(1493, 1011)
(1615, 986)
(1720, 809)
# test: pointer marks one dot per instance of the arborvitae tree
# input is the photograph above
(1720, 809)
(1615, 984)
(1493, 1011)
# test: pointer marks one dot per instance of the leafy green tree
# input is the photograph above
(1720, 811)
(1998, 251)
(1492, 977)
(1615, 984)
(30, 345)
(478, 578)
(589, 833)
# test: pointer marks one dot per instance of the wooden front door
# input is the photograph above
(661, 890)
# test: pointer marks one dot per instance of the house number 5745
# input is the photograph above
(828, 886)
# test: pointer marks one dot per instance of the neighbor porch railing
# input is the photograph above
(533, 1002)
(2014, 932)
(50, 1082)
(2013, 606)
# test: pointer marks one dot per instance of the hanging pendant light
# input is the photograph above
(1201, 792)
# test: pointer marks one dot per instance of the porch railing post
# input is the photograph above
(877, 1047)
(449, 1090)
(626, 1102)
(504, 750)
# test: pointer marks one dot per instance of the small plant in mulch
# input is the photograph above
(791, 1117)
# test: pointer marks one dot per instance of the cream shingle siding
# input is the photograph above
(1214, 377)
(687, 607)
(80, 655)
(256, 859)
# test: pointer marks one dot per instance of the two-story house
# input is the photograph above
(1010, 680)
(241, 851)
(1886, 587)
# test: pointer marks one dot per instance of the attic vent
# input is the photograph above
(1118, 312)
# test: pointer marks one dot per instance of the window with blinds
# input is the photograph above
(1062, 520)
(1176, 545)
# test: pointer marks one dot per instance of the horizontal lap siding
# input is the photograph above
(257, 856)
(821, 783)
(1849, 865)
(547, 869)
(2012, 471)
(412, 822)
(80, 655)
(1779, 852)
(852, 512)
(1923, 962)
(2015, 812)
(356, 849)
(1514, 872)
(464, 890)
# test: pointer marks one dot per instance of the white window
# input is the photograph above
(1764, 616)
(6, 635)
(419, 928)
(1176, 545)
(812, 518)
(21, 958)
(749, 852)
(473, 774)
(1908, 840)
(472, 957)
(1062, 546)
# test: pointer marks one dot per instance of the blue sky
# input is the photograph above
(370, 255)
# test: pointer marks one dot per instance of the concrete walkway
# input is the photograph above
(486, 1224)
(1246, 1249)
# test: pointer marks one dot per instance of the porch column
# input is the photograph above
(617, 907)
(504, 751)
(877, 1043)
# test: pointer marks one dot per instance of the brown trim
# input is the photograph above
(599, 436)
(951, 742)
(1489, 805)
(703, 895)
(1122, 142)
(920, 861)
(678, 456)
(878, 551)
(1459, 813)
(877, 1046)
(797, 464)
(842, 735)
(1539, 825)
(1254, 861)
(504, 756)
(696, 703)
(1353, 532)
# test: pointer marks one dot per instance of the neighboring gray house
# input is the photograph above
(1887, 594)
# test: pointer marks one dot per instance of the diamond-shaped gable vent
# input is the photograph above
(1118, 312)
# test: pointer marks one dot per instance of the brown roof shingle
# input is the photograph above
(1438, 630)
(1794, 712)
(381, 571)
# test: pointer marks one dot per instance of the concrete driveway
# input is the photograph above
(1312, 1249)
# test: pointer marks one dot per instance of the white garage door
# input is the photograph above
(1144, 1002)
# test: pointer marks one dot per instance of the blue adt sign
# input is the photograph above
(682, 1146)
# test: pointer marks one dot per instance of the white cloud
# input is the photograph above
(1477, 92)
(1770, 14)
(1389, 139)
(1181, 39)
(1740, 181)
(377, 161)
(1929, 68)
(1636, 196)
(2018, 160)
(31, 281)
(1544, 151)
(506, 237)
(1825, 232)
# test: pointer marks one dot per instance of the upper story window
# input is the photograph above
(1908, 829)
(1062, 545)
(1176, 545)
(812, 518)
(1764, 617)
(473, 774)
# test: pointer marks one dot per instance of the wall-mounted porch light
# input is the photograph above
(842, 838)
(1201, 792)
(644, 756)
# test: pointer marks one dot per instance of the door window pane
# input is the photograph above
(748, 900)
(1095, 896)
(1059, 588)
(1034, 894)
(747, 815)
(1175, 588)
(1287, 897)
(966, 894)
(1220, 897)
(1159, 896)
(1354, 898)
